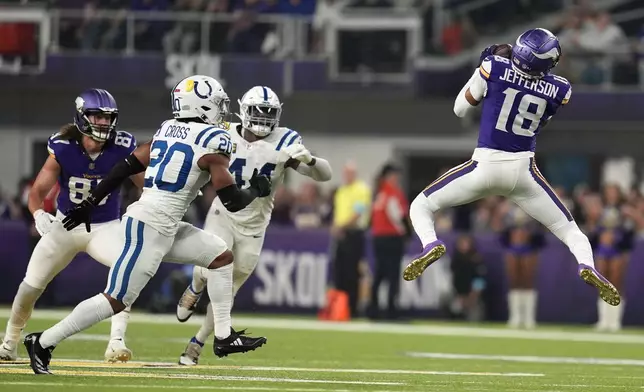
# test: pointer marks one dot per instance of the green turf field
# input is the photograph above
(309, 356)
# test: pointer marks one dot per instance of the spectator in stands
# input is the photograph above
(351, 216)
(185, 36)
(284, 199)
(522, 241)
(147, 32)
(245, 34)
(458, 34)
(468, 280)
(307, 211)
(325, 11)
(390, 228)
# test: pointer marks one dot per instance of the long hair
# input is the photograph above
(70, 132)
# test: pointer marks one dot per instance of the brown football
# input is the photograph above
(503, 50)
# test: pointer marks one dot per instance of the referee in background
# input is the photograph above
(389, 227)
(351, 208)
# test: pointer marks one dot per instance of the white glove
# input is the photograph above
(44, 221)
(299, 152)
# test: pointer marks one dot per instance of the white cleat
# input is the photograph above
(117, 351)
(190, 356)
(187, 304)
(8, 352)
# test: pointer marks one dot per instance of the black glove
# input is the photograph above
(82, 213)
(261, 183)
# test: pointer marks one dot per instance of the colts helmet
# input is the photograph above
(260, 110)
(536, 52)
(200, 97)
(96, 101)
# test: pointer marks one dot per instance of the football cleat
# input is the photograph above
(429, 255)
(117, 351)
(8, 352)
(187, 304)
(39, 357)
(237, 342)
(190, 356)
(607, 291)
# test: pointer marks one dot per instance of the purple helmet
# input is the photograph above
(536, 52)
(96, 101)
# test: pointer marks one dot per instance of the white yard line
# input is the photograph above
(81, 363)
(530, 359)
(205, 377)
(366, 327)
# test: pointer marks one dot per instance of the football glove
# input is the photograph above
(44, 221)
(299, 152)
(82, 213)
(261, 183)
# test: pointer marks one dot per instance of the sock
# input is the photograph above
(23, 305)
(85, 314)
(514, 308)
(422, 219)
(207, 327)
(529, 299)
(602, 308)
(119, 324)
(198, 283)
(196, 341)
(220, 291)
(616, 313)
(577, 242)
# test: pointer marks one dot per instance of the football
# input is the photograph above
(503, 50)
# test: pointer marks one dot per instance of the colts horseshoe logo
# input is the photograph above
(208, 94)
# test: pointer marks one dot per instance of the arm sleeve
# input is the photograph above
(477, 86)
(320, 171)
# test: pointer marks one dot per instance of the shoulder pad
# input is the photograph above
(286, 138)
(125, 140)
(55, 144)
(215, 140)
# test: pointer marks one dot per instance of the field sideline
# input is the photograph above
(307, 355)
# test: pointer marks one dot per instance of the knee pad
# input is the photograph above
(422, 205)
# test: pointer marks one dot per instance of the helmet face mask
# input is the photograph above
(536, 53)
(96, 114)
(260, 110)
(200, 97)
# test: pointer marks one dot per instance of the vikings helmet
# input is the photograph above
(536, 52)
(96, 101)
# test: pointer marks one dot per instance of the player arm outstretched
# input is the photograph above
(233, 198)
(135, 163)
(301, 160)
(43, 184)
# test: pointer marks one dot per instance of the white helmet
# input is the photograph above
(202, 97)
(260, 110)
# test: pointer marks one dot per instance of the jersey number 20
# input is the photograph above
(525, 118)
(166, 158)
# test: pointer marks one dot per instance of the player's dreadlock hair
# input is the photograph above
(70, 132)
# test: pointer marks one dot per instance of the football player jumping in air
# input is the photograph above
(185, 153)
(258, 143)
(80, 156)
(520, 96)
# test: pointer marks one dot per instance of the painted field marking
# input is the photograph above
(188, 387)
(530, 359)
(183, 376)
(76, 363)
(366, 327)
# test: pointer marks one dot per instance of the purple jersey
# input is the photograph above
(516, 107)
(79, 173)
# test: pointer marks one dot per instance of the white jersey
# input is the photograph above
(266, 156)
(173, 177)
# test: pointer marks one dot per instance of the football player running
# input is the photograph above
(184, 154)
(80, 156)
(258, 143)
(521, 96)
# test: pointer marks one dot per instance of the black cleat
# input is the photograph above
(237, 342)
(39, 357)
